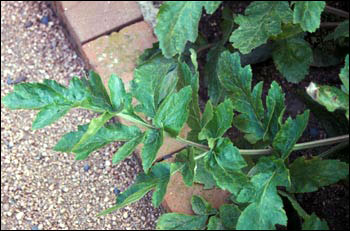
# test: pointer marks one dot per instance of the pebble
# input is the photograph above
(19, 216)
(45, 20)
(116, 191)
(28, 24)
(35, 227)
(125, 215)
(86, 167)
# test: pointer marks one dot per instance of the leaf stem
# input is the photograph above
(300, 146)
(336, 11)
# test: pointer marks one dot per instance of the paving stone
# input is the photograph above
(90, 19)
(117, 53)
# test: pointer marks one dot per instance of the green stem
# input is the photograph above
(300, 146)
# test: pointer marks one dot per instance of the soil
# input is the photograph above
(330, 203)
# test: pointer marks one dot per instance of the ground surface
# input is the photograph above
(40, 188)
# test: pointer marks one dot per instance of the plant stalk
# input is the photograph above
(300, 146)
(336, 11)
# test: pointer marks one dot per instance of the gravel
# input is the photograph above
(40, 188)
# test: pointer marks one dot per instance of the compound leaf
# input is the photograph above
(292, 58)
(310, 175)
(289, 134)
(237, 81)
(157, 179)
(308, 14)
(54, 100)
(262, 20)
(177, 23)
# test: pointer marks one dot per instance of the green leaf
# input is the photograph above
(152, 143)
(186, 157)
(187, 78)
(202, 175)
(153, 82)
(266, 209)
(177, 23)
(275, 108)
(262, 20)
(127, 149)
(237, 81)
(341, 31)
(176, 221)
(105, 135)
(49, 115)
(54, 100)
(310, 175)
(208, 114)
(117, 90)
(215, 223)
(314, 223)
(228, 156)
(292, 58)
(201, 207)
(157, 179)
(173, 112)
(97, 87)
(289, 134)
(220, 122)
(229, 215)
(226, 179)
(344, 75)
(308, 14)
(94, 125)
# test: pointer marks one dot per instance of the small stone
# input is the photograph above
(65, 189)
(19, 216)
(40, 226)
(125, 215)
(28, 24)
(9, 81)
(116, 191)
(45, 20)
(35, 227)
(86, 167)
